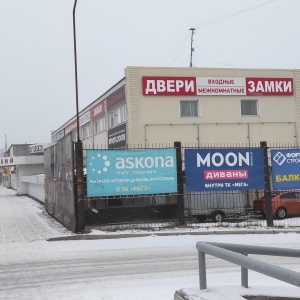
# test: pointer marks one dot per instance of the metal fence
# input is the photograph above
(238, 254)
(228, 209)
(59, 182)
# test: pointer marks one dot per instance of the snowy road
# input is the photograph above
(134, 268)
(142, 268)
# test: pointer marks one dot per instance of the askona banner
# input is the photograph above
(131, 172)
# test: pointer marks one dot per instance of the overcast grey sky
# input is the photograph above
(37, 85)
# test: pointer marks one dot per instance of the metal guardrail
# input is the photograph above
(238, 254)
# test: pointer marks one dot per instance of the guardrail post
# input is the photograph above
(244, 276)
(202, 270)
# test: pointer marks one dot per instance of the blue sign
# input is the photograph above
(224, 169)
(131, 172)
(285, 169)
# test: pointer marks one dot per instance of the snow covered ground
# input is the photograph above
(145, 267)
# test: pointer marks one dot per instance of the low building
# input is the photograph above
(24, 170)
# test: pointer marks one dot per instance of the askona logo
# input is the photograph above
(101, 163)
(104, 163)
(144, 162)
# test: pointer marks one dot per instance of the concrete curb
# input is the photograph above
(132, 235)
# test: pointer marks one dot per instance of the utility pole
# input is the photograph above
(192, 48)
(79, 195)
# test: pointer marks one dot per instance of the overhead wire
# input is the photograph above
(180, 42)
(215, 21)
(228, 63)
(234, 14)
(183, 48)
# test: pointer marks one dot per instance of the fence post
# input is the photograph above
(180, 201)
(267, 192)
(79, 193)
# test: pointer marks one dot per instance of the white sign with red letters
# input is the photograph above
(216, 86)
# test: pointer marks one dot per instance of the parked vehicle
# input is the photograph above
(283, 204)
(215, 205)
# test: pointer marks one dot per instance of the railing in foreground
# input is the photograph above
(237, 254)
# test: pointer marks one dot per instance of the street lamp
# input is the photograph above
(79, 196)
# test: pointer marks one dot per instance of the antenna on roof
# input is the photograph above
(192, 48)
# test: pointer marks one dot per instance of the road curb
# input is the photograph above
(132, 235)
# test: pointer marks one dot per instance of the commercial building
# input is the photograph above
(153, 107)
(24, 169)
(201, 107)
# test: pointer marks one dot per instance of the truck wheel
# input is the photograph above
(218, 216)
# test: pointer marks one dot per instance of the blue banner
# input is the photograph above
(131, 172)
(224, 169)
(285, 169)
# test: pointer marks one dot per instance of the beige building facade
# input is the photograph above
(200, 107)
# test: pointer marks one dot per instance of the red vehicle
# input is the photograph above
(283, 204)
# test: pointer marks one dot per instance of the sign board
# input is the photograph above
(21, 160)
(131, 172)
(117, 136)
(58, 135)
(285, 169)
(85, 118)
(116, 97)
(36, 148)
(224, 169)
(216, 86)
(98, 110)
(7, 161)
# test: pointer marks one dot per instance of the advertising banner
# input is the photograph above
(285, 169)
(224, 169)
(131, 172)
(216, 86)
(117, 136)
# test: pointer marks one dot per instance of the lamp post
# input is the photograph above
(79, 195)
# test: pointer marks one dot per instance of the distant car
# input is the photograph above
(283, 204)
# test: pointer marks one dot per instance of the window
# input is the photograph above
(288, 195)
(117, 116)
(189, 108)
(86, 131)
(100, 125)
(249, 108)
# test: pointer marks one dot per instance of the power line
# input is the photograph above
(181, 42)
(234, 14)
(228, 63)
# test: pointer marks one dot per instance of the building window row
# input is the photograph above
(190, 108)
